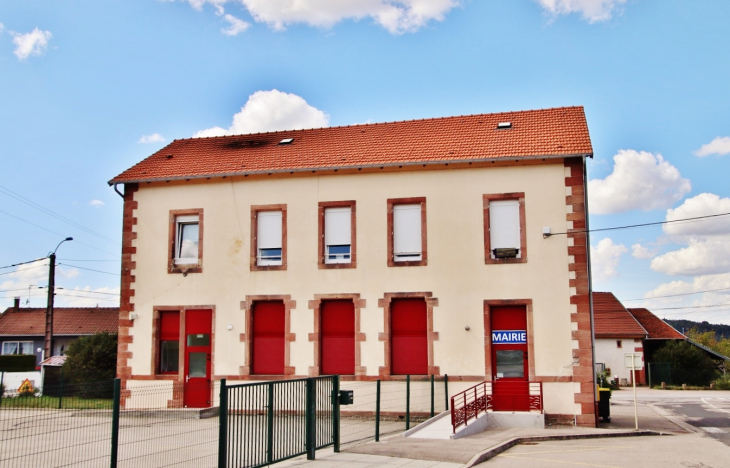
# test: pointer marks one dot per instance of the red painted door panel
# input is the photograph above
(268, 337)
(338, 337)
(509, 358)
(198, 328)
(409, 343)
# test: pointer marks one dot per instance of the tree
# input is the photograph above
(689, 365)
(91, 364)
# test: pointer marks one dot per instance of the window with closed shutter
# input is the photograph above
(409, 336)
(504, 228)
(338, 235)
(269, 238)
(407, 245)
(169, 352)
(338, 337)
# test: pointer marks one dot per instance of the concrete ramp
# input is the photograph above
(439, 427)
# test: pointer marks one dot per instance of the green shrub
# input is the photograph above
(723, 383)
(688, 364)
(91, 364)
(17, 363)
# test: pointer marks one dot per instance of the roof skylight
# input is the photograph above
(286, 141)
(504, 125)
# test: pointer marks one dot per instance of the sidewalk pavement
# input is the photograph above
(399, 451)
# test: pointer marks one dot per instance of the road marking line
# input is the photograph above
(713, 430)
(557, 461)
(724, 411)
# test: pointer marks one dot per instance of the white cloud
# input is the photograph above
(32, 43)
(267, 111)
(640, 181)
(96, 203)
(235, 27)
(720, 145)
(706, 287)
(592, 11)
(641, 252)
(605, 258)
(68, 273)
(707, 241)
(2, 28)
(396, 16)
(154, 138)
(24, 281)
(704, 204)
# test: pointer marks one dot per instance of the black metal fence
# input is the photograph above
(658, 372)
(145, 424)
(269, 422)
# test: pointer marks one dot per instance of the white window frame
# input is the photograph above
(336, 236)
(269, 243)
(403, 222)
(18, 348)
(180, 222)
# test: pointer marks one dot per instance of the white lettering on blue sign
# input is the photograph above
(509, 337)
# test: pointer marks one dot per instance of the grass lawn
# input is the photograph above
(53, 402)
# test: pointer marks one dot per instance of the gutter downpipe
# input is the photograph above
(118, 192)
(590, 277)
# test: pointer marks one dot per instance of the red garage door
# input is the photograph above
(409, 345)
(268, 337)
(338, 337)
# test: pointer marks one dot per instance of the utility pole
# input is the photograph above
(48, 341)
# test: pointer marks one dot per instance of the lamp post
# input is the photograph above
(48, 341)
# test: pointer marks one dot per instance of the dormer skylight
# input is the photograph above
(286, 141)
(504, 125)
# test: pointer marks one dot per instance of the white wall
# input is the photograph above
(613, 357)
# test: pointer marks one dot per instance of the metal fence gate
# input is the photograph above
(267, 422)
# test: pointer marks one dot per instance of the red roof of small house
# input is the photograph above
(533, 134)
(657, 328)
(66, 321)
(612, 320)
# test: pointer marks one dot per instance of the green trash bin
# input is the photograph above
(604, 404)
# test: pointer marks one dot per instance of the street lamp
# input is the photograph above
(48, 341)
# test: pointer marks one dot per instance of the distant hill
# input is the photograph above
(684, 326)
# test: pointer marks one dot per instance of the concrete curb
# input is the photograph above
(492, 452)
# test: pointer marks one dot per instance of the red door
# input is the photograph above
(338, 337)
(268, 338)
(409, 344)
(198, 327)
(509, 359)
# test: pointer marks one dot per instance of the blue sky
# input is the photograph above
(90, 88)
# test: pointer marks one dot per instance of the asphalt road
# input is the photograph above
(711, 415)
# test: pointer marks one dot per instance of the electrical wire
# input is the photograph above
(87, 297)
(85, 292)
(23, 263)
(25, 269)
(89, 269)
(675, 295)
(631, 226)
(77, 260)
(38, 207)
(54, 232)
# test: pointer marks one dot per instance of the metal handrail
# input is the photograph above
(470, 403)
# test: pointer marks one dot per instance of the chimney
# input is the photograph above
(16, 304)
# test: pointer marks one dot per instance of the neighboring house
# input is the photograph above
(22, 330)
(617, 333)
(659, 332)
(372, 251)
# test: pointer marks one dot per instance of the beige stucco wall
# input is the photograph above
(456, 273)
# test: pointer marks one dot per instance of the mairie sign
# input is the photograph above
(509, 337)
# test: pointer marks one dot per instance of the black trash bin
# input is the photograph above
(604, 404)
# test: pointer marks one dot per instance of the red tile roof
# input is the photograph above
(657, 328)
(66, 321)
(612, 320)
(536, 133)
